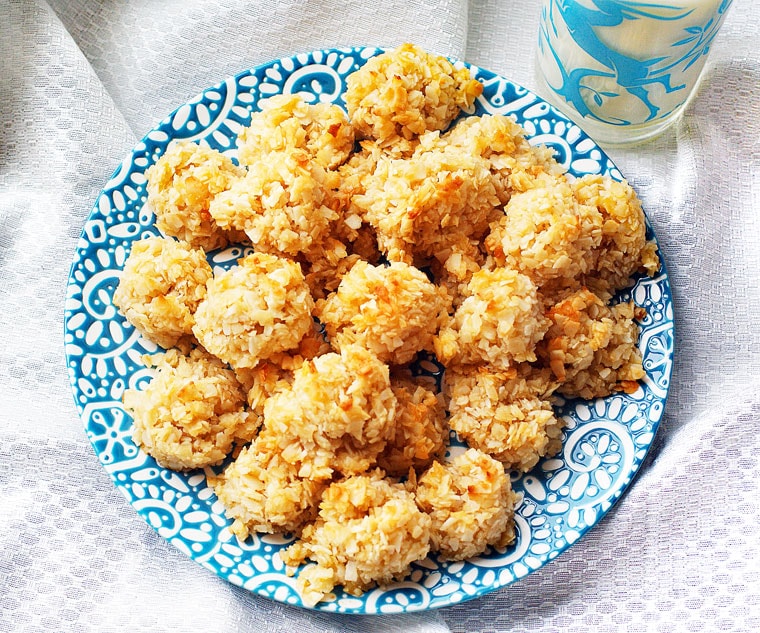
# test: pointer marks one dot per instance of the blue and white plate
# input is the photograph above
(605, 440)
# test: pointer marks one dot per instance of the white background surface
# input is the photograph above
(82, 81)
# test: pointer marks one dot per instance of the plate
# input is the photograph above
(605, 440)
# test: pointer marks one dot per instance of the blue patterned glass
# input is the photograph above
(624, 69)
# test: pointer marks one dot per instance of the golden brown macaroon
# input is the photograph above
(394, 311)
(279, 204)
(162, 283)
(254, 310)
(547, 235)
(499, 323)
(515, 163)
(425, 204)
(407, 92)
(504, 413)
(623, 249)
(340, 406)
(471, 504)
(288, 122)
(591, 347)
(181, 186)
(421, 431)
(192, 411)
(369, 531)
(263, 492)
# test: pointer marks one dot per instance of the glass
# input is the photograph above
(624, 70)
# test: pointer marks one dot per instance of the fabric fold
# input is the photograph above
(153, 57)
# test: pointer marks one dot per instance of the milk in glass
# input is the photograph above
(623, 70)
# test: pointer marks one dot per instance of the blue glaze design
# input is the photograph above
(605, 441)
(588, 24)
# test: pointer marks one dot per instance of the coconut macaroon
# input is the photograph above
(368, 531)
(340, 406)
(407, 92)
(623, 249)
(278, 204)
(591, 347)
(263, 492)
(513, 161)
(393, 311)
(254, 310)
(546, 234)
(424, 204)
(421, 432)
(192, 411)
(504, 413)
(162, 283)
(181, 186)
(288, 122)
(499, 323)
(471, 504)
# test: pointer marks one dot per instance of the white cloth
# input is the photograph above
(83, 80)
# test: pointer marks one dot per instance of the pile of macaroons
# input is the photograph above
(377, 236)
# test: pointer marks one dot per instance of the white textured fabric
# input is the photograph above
(82, 80)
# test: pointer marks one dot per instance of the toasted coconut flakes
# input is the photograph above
(264, 492)
(162, 283)
(498, 323)
(368, 531)
(622, 250)
(279, 204)
(504, 413)
(341, 405)
(407, 92)
(181, 186)
(471, 504)
(546, 234)
(428, 202)
(393, 311)
(254, 310)
(288, 122)
(590, 347)
(191, 413)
